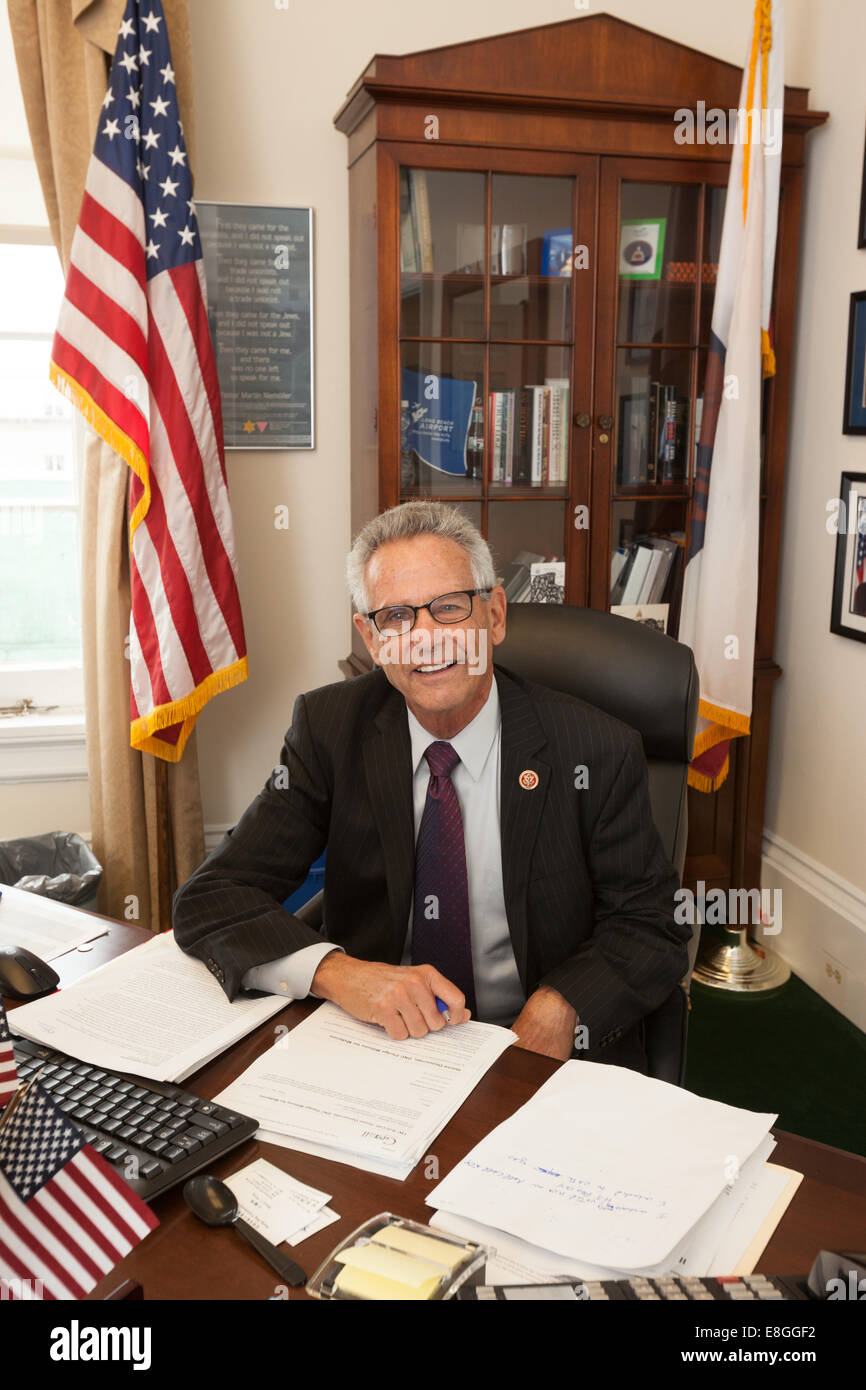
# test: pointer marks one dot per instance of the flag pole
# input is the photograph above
(163, 845)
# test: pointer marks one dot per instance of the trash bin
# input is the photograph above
(56, 865)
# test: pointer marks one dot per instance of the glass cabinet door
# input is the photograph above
(665, 263)
(487, 313)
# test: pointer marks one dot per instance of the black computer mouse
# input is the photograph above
(23, 975)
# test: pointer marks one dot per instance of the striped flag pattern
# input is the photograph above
(720, 590)
(133, 352)
(66, 1218)
(8, 1069)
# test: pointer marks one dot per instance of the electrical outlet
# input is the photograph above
(834, 981)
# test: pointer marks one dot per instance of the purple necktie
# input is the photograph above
(440, 919)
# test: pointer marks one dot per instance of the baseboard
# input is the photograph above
(823, 936)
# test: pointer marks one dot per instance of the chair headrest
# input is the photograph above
(625, 668)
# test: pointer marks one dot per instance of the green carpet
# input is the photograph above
(792, 1053)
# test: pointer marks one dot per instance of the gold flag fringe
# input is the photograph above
(184, 711)
(114, 437)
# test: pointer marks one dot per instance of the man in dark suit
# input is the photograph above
(490, 842)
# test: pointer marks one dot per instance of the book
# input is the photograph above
(559, 430)
(547, 582)
(514, 578)
(523, 442)
(667, 447)
(508, 477)
(556, 249)
(637, 574)
(650, 576)
(408, 241)
(421, 218)
(437, 428)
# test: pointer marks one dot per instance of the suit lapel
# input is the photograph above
(521, 804)
(387, 754)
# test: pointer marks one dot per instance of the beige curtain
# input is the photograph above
(146, 815)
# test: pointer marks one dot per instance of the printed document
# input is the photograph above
(336, 1086)
(47, 928)
(154, 1011)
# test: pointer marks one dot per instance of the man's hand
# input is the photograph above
(400, 998)
(546, 1024)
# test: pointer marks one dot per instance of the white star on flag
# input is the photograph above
(107, 99)
(130, 62)
(151, 22)
(167, 73)
(144, 55)
(160, 106)
(133, 96)
(159, 218)
(187, 236)
(111, 128)
(177, 156)
(152, 249)
(151, 139)
(169, 188)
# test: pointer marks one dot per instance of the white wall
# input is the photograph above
(268, 81)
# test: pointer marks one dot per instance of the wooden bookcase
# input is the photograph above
(463, 161)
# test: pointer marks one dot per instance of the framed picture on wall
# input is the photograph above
(848, 617)
(854, 417)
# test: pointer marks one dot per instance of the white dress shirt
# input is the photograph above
(498, 992)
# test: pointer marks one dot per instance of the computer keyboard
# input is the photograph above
(154, 1133)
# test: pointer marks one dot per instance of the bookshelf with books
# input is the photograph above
(533, 263)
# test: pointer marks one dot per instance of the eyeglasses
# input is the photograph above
(447, 608)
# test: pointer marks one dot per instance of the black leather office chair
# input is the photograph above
(648, 681)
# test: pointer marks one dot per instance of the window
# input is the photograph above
(40, 586)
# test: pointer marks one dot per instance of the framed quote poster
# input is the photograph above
(259, 267)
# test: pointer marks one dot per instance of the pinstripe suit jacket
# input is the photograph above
(589, 893)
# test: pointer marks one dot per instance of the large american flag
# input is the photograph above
(8, 1069)
(66, 1218)
(133, 352)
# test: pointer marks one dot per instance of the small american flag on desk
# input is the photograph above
(133, 352)
(66, 1218)
(8, 1069)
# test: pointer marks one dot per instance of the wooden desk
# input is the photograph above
(183, 1259)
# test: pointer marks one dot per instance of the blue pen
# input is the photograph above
(443, 1009)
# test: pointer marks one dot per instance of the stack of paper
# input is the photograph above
(154, 1011)
(344, 1090)
(277, 1205)
(606, 1172)
(47, 928)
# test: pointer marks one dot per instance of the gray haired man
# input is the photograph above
(466, 872)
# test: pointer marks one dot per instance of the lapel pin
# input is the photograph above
(528, 780)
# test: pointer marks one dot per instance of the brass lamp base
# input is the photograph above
(728, 960)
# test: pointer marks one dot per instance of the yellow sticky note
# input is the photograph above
(441, 1252)
(371, 1271)
(360, 1283)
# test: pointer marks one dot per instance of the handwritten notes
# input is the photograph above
(603, 1165)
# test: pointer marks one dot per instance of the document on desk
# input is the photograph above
(343, 1089)
(604, 1165)
(154, 1011)
(46, 928)
(751, 1215)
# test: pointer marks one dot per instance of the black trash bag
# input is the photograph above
(56, 865)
